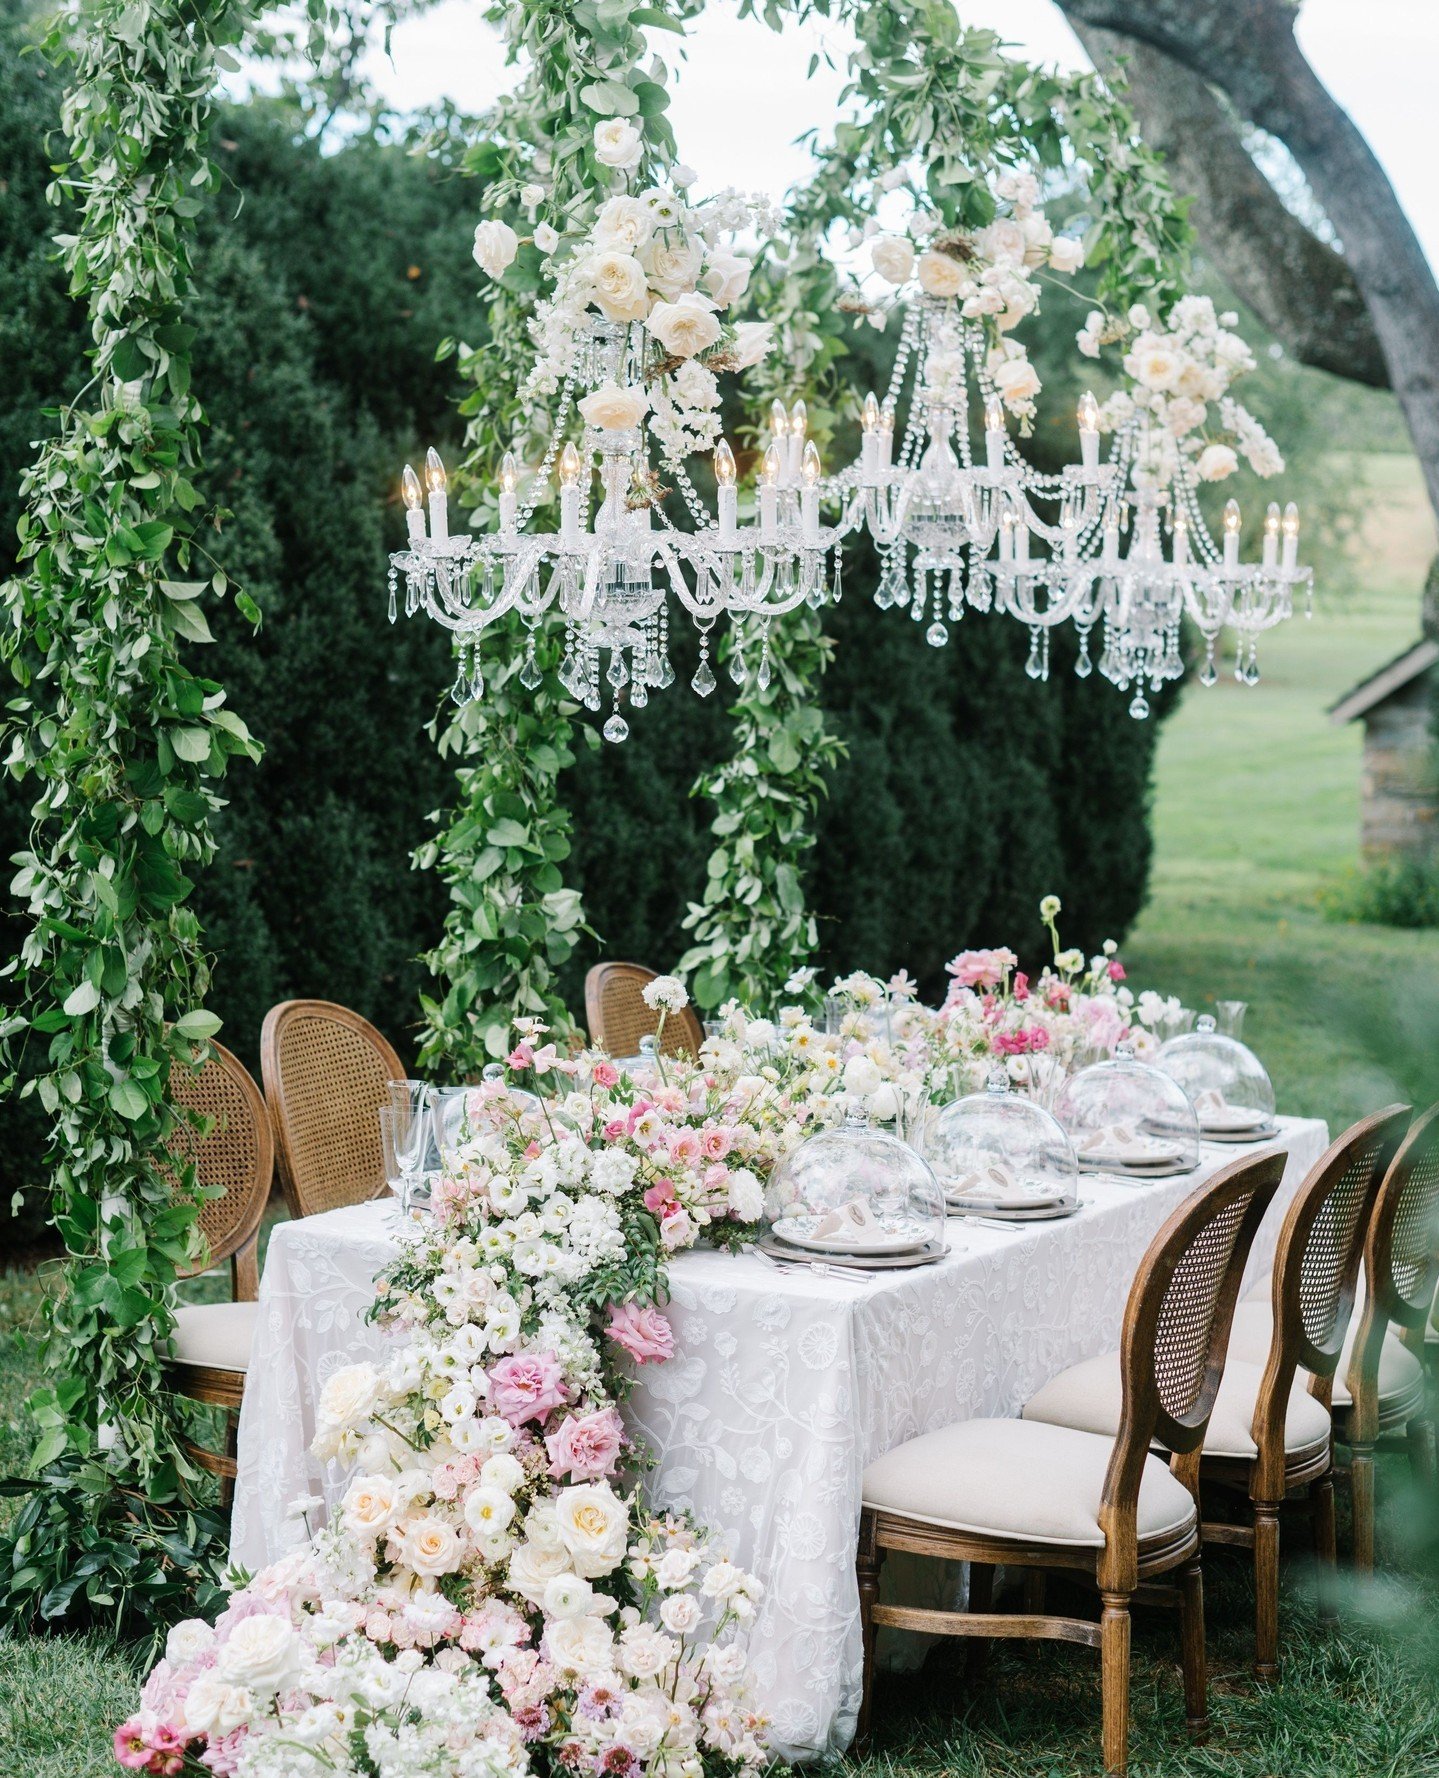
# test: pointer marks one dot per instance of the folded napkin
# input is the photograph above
(854, 1218)
(1216, 1113)
(992, 1178)
(1122, 1144)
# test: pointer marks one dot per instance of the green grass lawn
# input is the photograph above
(1256, 816)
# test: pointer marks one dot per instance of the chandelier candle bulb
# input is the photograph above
(1231, 533)
(1181, 536)
(1069, 522)
(886, 436)
(769, 491)
(869, 438)
(414, 504)
(569, 495)
(438, 483)
(1291, 535)
(728, 493)
(1271, 535)
(798, 426)
(809, 493)
(994, 434)
(509, 491)
(1111, 535)
(1088, 431)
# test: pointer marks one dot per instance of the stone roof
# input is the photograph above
(1360, 699)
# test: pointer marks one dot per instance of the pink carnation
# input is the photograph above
(642, 1332)
(527, 1386)
(981, 969)
(586, 1446)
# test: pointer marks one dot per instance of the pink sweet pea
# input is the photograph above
(521, 1056)
(642, 1332)
(586, 1446)
(527, 1386)
(1021, 985)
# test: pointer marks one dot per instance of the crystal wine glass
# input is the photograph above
(1229, 1017)
(410, 1104)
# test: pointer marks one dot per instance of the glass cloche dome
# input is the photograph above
(1125, 1116)
(856, 1190)
(1224, 1080)
(997, 1149)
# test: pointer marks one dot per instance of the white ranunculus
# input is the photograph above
(617, 144)
(212, 1707)
(502, 1471)
(893, 258)
(727, 277)
(432, 1546)
(617, 281)
(685, 326)
(488, 1511)
(593, 1527)
(531, 1570)
(614, 408)
(496, 244)
(625, 224)
(580, 1644)
(1016, 380)
(187, 1641)
(1066, 253)
(680, 1613)
(752, 341)
(348, 1395)
(940, 274)
(1215, 462)
(862, 1076)
(261, 1653)
(568, 1596)
(370, 1506)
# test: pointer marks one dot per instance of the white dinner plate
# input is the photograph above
(1024, 1196)
(1229, 1120)
(903, 1237)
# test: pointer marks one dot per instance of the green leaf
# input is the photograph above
(191, 743)
(198, 1025)
(82, 999)
(128, 1100)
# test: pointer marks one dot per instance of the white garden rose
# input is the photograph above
(726, 277)
(617, 281)
(613, 408)
(1003, 241)
(488, 1511)
(752, 341)
(593, 1527)
(1016, 380)
(348, 1395)
(568, 1596)
(685, 326)
(1215, 462)
(496, 244)
(212, 1707)
(673, 267)
(646, 1651)
(893, 258)
(432, 1546)
(261, 1653)
(1066, 253)
(531, 1569)
(1154, 361)
(187, 1641)
(502, 1471)
(580, 1644)
(940, 275)
(370, 1506)
(617, 144)
(680, 1613)
(625, 224)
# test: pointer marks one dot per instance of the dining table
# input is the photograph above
(784, 1384)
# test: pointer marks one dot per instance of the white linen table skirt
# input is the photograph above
(782, 1388)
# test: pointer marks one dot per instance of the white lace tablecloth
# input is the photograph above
(782, 1388)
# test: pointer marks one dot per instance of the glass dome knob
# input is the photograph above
(647, 1047)
(998, 1081)
(1206, 1022)
(1124, 1052)
(493, 1071)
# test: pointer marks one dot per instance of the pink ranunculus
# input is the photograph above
(642, 1332)
(527, 1386)
(586, 1446)
(981, 969)
(605, 1074)
(1116, 970)
(715, 1142)
(661, 1199)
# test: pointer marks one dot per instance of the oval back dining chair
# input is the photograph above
(210, 1346)
(618, 1018)
(1386, 1381)
(1027, 1494)
(326, 1073)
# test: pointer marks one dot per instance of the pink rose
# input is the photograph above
(714, 1143)
(527, 1386)
(614, 1130)
(642, 1332)
(981, 969)
(222, 1757)
(586, 1446)
(605, 1074)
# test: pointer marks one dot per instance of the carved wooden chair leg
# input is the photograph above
(981, 1599)
(1361, 1486)
(1114, 1670)
(1266, 1589)
(1326, 1543)
(1196, 1667)
(868, 1565)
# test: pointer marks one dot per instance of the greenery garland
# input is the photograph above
(126, 747)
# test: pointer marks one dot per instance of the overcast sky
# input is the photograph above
(743, 96)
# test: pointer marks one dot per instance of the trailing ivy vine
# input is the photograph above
(124, 746)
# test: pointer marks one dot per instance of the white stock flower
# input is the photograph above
(893, 258)
(746, 1195)
(593, 1525)
(685, 326)
(940, 274)
(261, 1653)
(666, 991)
(614, 408)
(496, 244)
(617, 144)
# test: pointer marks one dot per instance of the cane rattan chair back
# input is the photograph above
(1401, 1250)
(237, 1153)
(327, 1073)
(618, 1018)
(1176, 1330)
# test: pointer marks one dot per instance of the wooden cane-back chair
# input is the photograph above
(210, 1347)
(326, 1073)
(618, 1018)
(1024, 1493)
(1401, 1262)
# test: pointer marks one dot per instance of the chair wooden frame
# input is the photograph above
(683, 1032)
(1311, 1269)
(1401, 1266)
(232, 1226)
(305, 1177)
(1164, 1308)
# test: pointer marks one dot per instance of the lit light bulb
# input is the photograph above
(1231, 518)
(724, 464)
(435, 478)
(1271, 520)
(994, 414)
(410, 488)
(870, 421)
(809, 464)
(778, 418)
(509, 473)
(769, 468)
(1088, 412)
(569, 466)
(1291, 520)
(798, 419)
(886, 418)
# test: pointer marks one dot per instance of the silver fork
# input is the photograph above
(820, 1268)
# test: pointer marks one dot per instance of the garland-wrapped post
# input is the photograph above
(124, 746)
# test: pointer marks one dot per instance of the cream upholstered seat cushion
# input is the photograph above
(216, 1335)
(1401, 1376)
(1018, 1479)
(1088, 1395)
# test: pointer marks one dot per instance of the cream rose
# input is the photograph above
(496, 244)
(214, 1708)
(618, 283)
(261, 1653)
(624, 224)
(1215, 462)
(726, 277)
(893, 258)
(580, 1644)
(532, 1569)
(940, 275)
(348, 1395)
(680, 1613)
(370, 1506)
(1066, 253)
(593, 1527)
(617, 144)
(1154, 362)
(615, 409)
(432, 1546)
(673, 267)
(187, 1641)
(1016, 380)
(685, 326)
